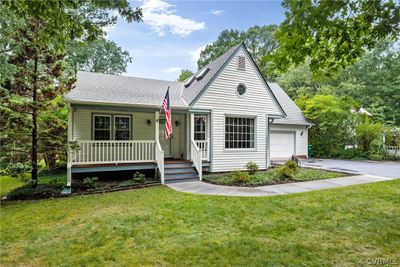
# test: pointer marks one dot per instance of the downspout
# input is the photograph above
(269, 121)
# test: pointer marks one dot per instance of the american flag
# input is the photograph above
(167, 109)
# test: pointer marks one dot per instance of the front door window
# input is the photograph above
(200, 128)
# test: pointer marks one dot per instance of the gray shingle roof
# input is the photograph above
(190, 93)
(117, 89)
(294, 115)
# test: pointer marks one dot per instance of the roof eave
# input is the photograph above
(85, 102)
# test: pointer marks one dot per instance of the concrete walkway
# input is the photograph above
(272, 190)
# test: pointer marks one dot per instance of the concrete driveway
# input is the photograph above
(379, 168)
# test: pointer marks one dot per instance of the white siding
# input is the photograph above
(221, 97)
(82, 120)
(301, 140)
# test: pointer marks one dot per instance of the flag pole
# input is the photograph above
(164, 97)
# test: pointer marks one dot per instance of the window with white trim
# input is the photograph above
(101, 127)
(239, 133)
(122, 127)
(200, 128)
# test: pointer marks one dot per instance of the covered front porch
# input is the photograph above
(107, 138)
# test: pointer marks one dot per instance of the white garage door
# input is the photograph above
(282, 144)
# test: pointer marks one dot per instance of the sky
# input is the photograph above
(173, 33)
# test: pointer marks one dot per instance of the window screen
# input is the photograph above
(102, 127)
(122, 128)
(239, 132)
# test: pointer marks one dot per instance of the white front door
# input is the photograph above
(164, 142)
(282, 144)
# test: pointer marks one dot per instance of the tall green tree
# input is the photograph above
(378, 73)
(333, 34)
(34, 36)
(100, 55)
(184, 75)
(225, 40)
(259, 40)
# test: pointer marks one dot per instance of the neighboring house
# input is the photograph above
(223, 116)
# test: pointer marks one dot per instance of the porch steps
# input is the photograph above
(176, 171)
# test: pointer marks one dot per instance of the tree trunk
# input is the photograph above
(34, 128)
(50, 160)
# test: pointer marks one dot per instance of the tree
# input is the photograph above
(35, 35)
(258, 39)
(378, 74)
(366, 132)
(100, 55)
(184, 75)
(333, 122)
(226, 39)
(333, 34)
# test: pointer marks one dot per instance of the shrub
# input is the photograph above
(376, 151)
(139, 178)
(351, 153)
(29, 192)
(375, 156)
(291, 164)
(240, 177)
(18, 170)
(367, 132)
(285, 172)
(252, 167)
(90, 182)
(126, 183)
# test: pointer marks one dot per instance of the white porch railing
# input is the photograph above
(160, 160)
(196, 156)
(203, 145)
(393, 151)
(102, 152)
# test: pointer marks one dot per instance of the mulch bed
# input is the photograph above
(78, 192)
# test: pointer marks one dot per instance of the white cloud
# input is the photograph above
(217, 12)
(172, 70)
(160, 16)
(195, 54)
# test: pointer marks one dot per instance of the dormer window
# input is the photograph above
(241, 63)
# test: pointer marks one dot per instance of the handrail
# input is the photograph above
(204, 146)
(160, 160)
(196, 157)
(112, 151)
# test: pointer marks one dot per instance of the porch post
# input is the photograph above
(67, 190)
(191, 127)
(187, 135)
(157, 124)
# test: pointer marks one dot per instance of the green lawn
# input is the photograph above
(271, 176)
(7, 183)
(158, 226)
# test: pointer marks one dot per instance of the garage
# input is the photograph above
(282, 144)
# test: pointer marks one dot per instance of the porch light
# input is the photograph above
(177, 123)
(148, 122)
(301, 133)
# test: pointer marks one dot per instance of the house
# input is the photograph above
(223, 116)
